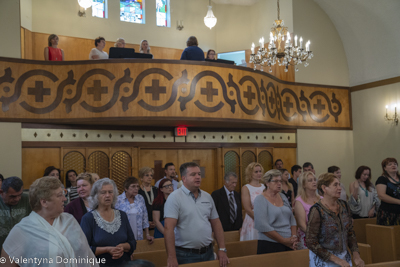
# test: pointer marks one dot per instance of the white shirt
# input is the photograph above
(97, 52)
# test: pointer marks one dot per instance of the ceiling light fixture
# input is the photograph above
(210, 20)
(283, 51)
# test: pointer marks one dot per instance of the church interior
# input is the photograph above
(227, 112)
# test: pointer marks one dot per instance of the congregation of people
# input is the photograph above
(88, 223)
(191, 52)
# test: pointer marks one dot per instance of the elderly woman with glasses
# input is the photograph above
(134, 205)
(107, 229)
(47, 234)
(273, 217)
(165, 189)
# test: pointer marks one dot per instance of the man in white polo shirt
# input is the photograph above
(192, 213)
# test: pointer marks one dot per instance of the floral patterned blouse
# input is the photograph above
(136, 211)
(328, 232)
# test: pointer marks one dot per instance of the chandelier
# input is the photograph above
(210, 20)
(281, 51)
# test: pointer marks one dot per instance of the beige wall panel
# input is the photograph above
(207, 158)
(149, 156)
(36, 160)
(324, 148)
(287, 155)
(329, 65)
(374, 138)
(10, 147)
(10, 44)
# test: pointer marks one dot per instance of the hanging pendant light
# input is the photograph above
(210, 20)
(85, 3)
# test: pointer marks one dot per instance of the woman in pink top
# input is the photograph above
(306, 198)
(52, 53)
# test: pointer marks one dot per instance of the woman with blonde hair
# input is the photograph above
(80, 206)
(144, 47)
(307, 196)
(147, 191)
(120, 43)
(287, 188)
(253, 188)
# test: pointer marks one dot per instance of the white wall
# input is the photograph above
(11, 149)
(329, 64)
(374, 138)
(324, 148)
(10, 43)
(60, 17)
(239, 26)
(26, 14)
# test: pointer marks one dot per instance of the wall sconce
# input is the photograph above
(84, 4)
(179, 25)
(395, 118)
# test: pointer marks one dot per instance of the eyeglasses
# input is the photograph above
(276, 181)
(168, 186)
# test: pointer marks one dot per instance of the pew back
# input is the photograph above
(231, 236)
(297, 258)
(241, 248)
(365, 253)
(384, 241)
(360, 230)
(144, 246)
(384, 264)
(159, 257)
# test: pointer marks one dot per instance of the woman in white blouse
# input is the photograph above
(98, 53)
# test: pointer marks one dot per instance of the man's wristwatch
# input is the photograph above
(223, 249)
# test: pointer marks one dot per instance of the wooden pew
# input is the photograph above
(384, 241)
(359, 228)
(365, 253)
(159, 257)
(297, 258)
(144, 246)
(241, 248)
(231, 236)
(384, 264)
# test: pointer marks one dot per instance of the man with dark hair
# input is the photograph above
(308, 167)
(1, 179)
(170, 173)
(296, 171)
(14, 205)
(192, 213)
(278, 164)
(228, 203)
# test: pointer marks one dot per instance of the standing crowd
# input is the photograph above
(89, 223)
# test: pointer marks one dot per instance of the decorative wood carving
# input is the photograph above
(161, 90)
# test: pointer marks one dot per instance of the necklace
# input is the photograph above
(151, 197)
(363, 189)
(394, 181)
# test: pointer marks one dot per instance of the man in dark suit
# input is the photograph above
(228, 204)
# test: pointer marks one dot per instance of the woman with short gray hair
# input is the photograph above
(107, 230)
(273, 217)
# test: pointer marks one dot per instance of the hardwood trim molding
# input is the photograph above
(375, 84)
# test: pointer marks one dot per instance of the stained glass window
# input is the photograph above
(132, 11)
(99, 8)
(162, 13)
